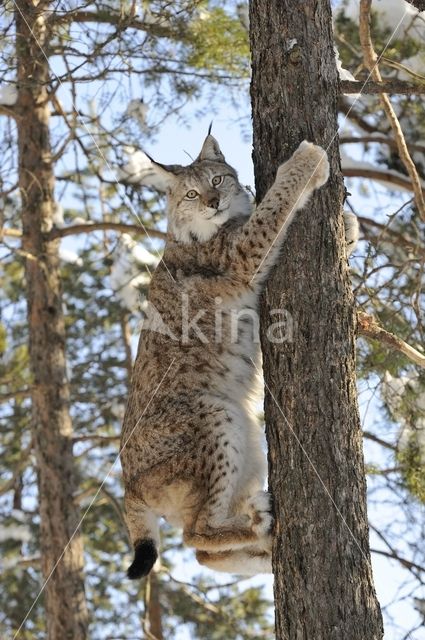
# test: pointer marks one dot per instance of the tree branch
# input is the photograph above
(122, 22)
(347, 109)
(12, 233)
(383, 443)
(371, 63)
(8, 111)
(390, 142)
(383, 176)
(394, 553)
(392, 86)
(105, 226)
(367, 326)
(394, 556)
(394, 237)
(132, 229)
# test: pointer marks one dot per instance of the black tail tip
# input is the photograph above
(145, 555)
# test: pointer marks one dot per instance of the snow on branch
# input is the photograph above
(371, 63)
(8, 97)
(18, 532)
(359, 169)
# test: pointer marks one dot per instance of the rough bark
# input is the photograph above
(66, 614)
(323, 579)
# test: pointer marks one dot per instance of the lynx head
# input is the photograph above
(203, 195)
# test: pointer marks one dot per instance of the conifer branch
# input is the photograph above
(19, 467)
(120, 21)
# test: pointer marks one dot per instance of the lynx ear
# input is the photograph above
(210, 150)
(166, 172)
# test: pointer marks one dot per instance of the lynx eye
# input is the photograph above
(217, 180)
(192, 194)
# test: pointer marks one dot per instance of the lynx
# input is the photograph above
(191, 447)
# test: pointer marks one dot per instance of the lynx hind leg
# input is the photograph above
(245, 562)
(218, 525)
(216, 529)
(214, 532)
(144, 534)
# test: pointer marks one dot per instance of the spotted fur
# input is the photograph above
(192, 448)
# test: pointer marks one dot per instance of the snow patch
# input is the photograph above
(396, 15)
(15, 532)
(344, 74)
(70, 256)
(57, 215)
(8, 95)
(402, 391)
(130, 271)
(349, 163)
(138, 110)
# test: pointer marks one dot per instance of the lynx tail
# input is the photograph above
(145, 555)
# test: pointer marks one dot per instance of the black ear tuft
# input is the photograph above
(210, 150)
(210, 127)
(145, 555)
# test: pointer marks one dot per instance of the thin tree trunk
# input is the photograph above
(66, 614)
(153, 606)
(323, 579)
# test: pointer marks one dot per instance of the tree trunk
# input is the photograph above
(153, 607)
(323, 579)
(66, 613)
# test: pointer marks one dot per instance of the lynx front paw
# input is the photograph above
(314, 160)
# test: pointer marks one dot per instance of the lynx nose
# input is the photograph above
(212, 200)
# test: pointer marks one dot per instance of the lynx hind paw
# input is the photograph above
(351, 224)
(316, 160)
(260, 510)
